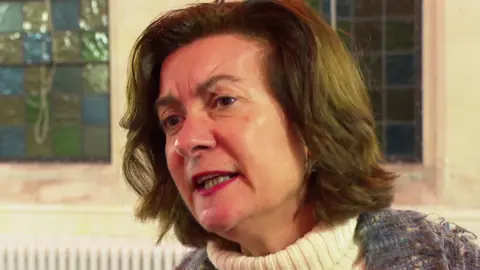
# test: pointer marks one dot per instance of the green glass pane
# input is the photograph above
(36, 79)
(67, 79)
(39, 141)
(400, 35)
(38, 108)
(11, 48)
(10, 16)
(96, 141)
(95, 46)
(95, 78)
(12, 110)
(35, 17)
(66, 47)
(93, 14)
(67, 141)
(66, 109)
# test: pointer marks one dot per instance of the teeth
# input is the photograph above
(215, 181)
(206, 177)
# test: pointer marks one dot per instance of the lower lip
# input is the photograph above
(214, 189)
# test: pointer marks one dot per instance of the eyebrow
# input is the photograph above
(200, 90)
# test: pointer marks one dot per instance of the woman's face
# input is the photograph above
(229, 148)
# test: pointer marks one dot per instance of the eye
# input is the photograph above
(222, 102)
(171, 121)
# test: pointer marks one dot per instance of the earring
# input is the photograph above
(313, 166)
(310, 165)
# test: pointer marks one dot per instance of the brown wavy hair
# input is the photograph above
(317, 83)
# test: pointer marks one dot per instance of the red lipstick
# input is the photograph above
(201, 180)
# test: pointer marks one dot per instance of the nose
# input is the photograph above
(194, 137)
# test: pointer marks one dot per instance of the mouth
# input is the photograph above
(210, 180)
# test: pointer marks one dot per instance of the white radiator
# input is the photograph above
(79, 253)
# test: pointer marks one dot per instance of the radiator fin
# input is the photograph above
(76, 253)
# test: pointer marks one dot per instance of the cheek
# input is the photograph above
(175, 165)
(259, 140)
(268, 150)
(264, 132)
(169, 154)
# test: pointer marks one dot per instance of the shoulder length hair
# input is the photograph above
(314, 78)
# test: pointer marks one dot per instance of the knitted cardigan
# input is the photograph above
(395, 239)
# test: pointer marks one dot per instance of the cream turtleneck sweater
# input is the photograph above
(317, 250)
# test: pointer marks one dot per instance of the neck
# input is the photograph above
(274, 231)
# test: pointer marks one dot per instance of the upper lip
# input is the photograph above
(197, 178)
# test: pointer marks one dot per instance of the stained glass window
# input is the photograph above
(54, 81)
(385, 35)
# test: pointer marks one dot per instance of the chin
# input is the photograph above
(218, 226)
(219, 213)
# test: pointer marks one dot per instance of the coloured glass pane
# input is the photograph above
(39, 141)
(35, 17)
(11, 48)
(54, 81)
(400, 35)
(67, 141)
(95, 46)
(12, 111)
(96, 141)
(401, 69)
(95, 78)
(400, 140)
(94, 14)
(66, 47)
(37, 48)
(36, 79)
(11, 80)
(10, 16)
(67, 79)
(66, 14)
(95, 110)
(12, 141)
(401, 105)
(368, 8)
(66, 109)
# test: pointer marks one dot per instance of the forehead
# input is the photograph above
(223, 54)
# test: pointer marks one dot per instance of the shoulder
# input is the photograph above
(195, 260)
(396, 238)
(407, 220)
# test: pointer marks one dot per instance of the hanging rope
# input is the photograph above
(42, 122)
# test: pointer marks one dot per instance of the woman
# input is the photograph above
(250, 133)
